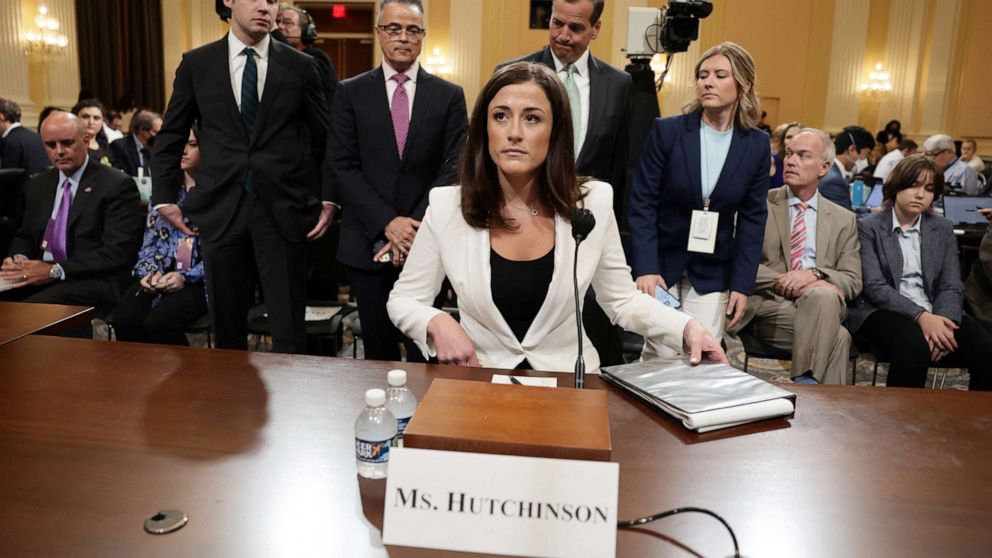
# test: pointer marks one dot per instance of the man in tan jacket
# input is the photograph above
(810, 266)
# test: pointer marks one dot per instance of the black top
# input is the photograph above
(519, 288)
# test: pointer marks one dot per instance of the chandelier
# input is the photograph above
(46, 41)
(878, 84)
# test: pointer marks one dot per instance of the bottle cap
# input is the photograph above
(396, 378)
(375, 397)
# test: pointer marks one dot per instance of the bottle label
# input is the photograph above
(401, 426)
(372, 452)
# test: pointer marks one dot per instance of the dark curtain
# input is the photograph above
(120, 52)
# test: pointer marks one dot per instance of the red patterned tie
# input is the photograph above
(797, 243)
(401, 112)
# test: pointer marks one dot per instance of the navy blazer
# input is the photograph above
(23, 149)
(667, 187)
(835, 187)
(124, 155)
(881, 269)
(375, 184)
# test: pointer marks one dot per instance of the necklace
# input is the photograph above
(533, 210)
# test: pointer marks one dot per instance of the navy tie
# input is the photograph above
(249, 104)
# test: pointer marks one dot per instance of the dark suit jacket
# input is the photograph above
(328, 76)
(978, 287)
(604, 150)
(284, 154)
(881, 267)
(835, 187)
(375, 184)
(667, 187)
(105, 223)
(23, 149)
(124, 155)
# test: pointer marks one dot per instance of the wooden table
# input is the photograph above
(258, 450)
(18, 319)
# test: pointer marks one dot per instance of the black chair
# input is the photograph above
(11, 204)
(322, 334)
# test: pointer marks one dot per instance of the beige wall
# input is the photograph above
(935, 49)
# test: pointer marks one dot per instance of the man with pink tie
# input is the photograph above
(396, 132)
(810, 265)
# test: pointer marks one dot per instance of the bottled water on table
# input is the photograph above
(374, 432)
(400, 401)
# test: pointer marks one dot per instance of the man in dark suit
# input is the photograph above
(19, 147)
(853, 144)
(263, 134)
(598, 94)
(82, 226)
(396, 132)
(133, 151)
(601, 119)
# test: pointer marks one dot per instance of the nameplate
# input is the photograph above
(501, 504)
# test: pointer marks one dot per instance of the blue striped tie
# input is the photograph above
(249, 104)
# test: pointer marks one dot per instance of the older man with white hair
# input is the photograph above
(957, 174)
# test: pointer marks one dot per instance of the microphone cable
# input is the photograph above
(643, 520)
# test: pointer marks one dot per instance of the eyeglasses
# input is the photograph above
(934, 152)
(394, 31)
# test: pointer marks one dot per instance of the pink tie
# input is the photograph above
(401, 112)
(797, 242)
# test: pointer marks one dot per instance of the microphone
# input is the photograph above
(583, 222)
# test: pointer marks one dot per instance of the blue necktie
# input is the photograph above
(249, 104)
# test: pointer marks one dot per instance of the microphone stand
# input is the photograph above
(580, 363)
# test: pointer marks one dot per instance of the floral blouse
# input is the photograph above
(158, 251)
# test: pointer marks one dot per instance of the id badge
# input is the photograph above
(702, 231)
(184, 254)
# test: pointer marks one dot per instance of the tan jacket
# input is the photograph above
(838, 250)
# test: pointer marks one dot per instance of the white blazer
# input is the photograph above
(447, 246)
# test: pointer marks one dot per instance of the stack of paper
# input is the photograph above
(704, 397)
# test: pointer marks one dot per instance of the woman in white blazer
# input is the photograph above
(504, 241)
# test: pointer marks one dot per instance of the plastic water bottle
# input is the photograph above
(374, 432)
(400, 401)
(858, 193)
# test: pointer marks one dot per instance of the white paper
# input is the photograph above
(526, 380)
(501, 504)
(6, 285)
(320, 313)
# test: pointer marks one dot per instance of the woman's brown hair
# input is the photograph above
(482, 197)
(906, 172)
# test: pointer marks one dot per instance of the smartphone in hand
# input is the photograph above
(666, 298)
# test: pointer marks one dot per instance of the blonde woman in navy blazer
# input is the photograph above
(678, 174)
(504, 240)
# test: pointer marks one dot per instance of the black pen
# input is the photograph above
(514, 380)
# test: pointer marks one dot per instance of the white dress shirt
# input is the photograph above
(884, 167)
(237, 60)
(410, 86)
(911, 281)
(581, 79)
